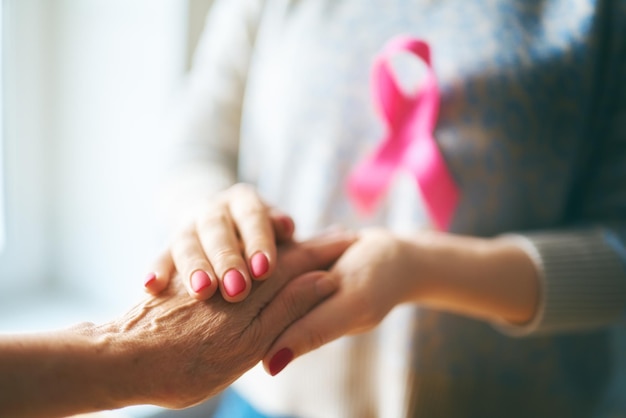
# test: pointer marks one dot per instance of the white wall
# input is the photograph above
(90, 80)
(117, 67)
(25, 254)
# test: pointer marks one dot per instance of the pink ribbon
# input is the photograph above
(408, 142)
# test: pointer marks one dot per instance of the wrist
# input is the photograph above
(58, 373)
(122, 366)
(106, 360)
(486, 278)
(419, 269)
(431, 252)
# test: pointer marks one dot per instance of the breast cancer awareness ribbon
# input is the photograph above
(408, 142)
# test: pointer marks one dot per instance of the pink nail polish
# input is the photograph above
(259, 264)
(234, 283)
(150, 278)
(280, 360)
(200, 281)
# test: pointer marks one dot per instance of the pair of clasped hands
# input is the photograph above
(335, 284)
(279, 300)
(185, 343)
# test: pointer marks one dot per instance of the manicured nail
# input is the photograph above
(234, 283)
(200, 281)
(150, 278)
(260, 264)
(280, 360)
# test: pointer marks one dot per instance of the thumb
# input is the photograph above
(161, 274)
(328, 321)
(296, 259)
(294, 301)
(318, 253)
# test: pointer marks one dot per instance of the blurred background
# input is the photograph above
(85, 85)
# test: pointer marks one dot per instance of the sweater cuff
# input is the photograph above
(582, 281)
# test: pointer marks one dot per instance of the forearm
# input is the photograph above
(489, 279)
(59, 374)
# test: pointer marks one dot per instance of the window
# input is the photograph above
(87, 83)
(84, 84)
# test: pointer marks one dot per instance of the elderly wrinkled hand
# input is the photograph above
(189, 350)
(171, 350)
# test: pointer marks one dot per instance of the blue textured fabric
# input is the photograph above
(232, 405)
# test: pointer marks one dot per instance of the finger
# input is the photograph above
(196, 272)
(283, 225)
(252, 220)
(161, 273)
(299, 258)
(294, 301)
(327, 322)
(320, 252)
(219, 241)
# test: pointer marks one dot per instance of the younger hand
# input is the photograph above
(231, 243)
(373, 275)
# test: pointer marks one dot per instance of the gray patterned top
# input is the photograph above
(533, 126)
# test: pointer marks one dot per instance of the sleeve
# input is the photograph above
(583, 271)
(201, 132)
(582, 280)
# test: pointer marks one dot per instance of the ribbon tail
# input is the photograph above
(438, 188)
(369, 181)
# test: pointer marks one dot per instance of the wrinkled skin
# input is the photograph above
(181, 351)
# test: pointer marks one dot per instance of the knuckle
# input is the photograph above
(212, 218)
(314, 339)
(241, 188)
(241, 191)
(216, 204)
(186, 231)
(186, 255)
(181, 242)
(251, 210)
(226, 255)
(260, 243)
(189, 256)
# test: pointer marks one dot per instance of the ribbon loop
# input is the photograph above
(408, 142)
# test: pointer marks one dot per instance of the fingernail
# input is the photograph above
(280, 360)
(260, 264)
(234, 283)
(150, 278)
(200, 281)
